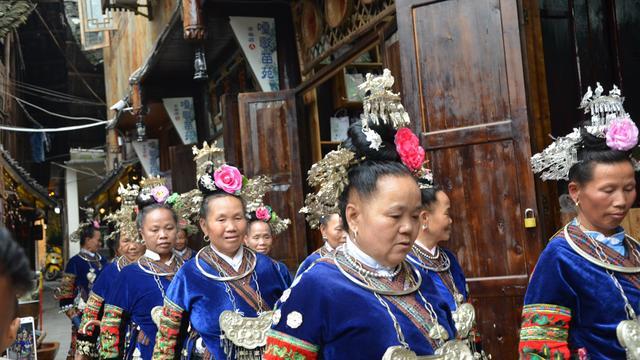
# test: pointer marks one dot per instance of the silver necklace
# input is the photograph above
(406, 266)
(421, 253)
(367, 273)
(221, 271)
(627, 331)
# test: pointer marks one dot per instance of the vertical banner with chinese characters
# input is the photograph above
(183, 117)
(149, 155)
(257, 38)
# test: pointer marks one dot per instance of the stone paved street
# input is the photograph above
(57, 326)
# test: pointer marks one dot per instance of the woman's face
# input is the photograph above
(131, 250)
(225, 224)
(259, 237)
(93, 243)
(181, 240)
(333, 232)
(436, 218)
(385, 224)
(159, 231)
(604, 201)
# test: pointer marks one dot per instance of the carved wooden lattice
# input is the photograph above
(361, 18)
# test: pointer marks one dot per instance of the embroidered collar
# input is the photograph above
(361, 256)
(181, 252)
(328, 247)
(615, 241)
(234, 261)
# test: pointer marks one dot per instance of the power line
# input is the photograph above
(76, 118)
(61, 129)
(73, 67)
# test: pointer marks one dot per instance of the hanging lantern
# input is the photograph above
(141, 129)
(200, 65)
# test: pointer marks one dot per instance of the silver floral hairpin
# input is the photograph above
(608, 120)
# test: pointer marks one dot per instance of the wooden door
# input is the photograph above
(467, 96)
(183, 168)
(231, 129)
(269, 133)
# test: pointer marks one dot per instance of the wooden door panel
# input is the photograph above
(464, 34)
(268, 127)
(468, 101)
(231, 130)
(480, 175)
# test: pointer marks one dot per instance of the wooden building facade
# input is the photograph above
(485, 83)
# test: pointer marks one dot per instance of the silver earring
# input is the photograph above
(424, 227)
(206, 238)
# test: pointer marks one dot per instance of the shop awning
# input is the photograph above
(111, 179)
(22, 177)
(169, 69)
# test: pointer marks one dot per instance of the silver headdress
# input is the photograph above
(90, 221)
(330, 175)
(124, 218)
(608, 119)
(210, 160)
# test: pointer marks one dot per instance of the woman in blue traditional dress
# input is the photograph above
(226, 285)
(88, 331)
(133, 305)
(333, 235)
(130, 250)
(263, 225)
(365, 300)
(440, 264)
(182, 244)
(584, 294)
(79, 276)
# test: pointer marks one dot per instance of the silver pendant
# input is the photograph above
(455, 350)
(401, 353)
(245, 332)
(459, 298)
(91, 276)
(628, 332)
(464, 317)
(156, 314)
(438, 332)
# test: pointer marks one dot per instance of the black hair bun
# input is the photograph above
(144, 199)
(358, 143)
(591, 142)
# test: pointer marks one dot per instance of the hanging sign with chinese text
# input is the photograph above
(149, 154)
(183, 117)
(257, 38)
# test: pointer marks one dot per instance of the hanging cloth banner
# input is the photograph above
(149, 155)
(183, 117)
(257, 38)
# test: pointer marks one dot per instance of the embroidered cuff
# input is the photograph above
(110, 332)
(281, 346)
(544, 332)
(168, 331)
(91, 314)
(67, 287)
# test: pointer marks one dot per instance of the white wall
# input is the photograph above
(72, 209)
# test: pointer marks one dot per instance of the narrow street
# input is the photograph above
(56, 325)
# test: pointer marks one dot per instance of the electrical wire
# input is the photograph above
(61, 129)
(51, 95)
(73, 67)
(75, 118)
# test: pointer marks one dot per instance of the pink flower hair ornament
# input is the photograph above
(408, 147)
(622, 134)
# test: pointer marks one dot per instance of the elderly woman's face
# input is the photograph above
(386, 223)
(604, 201)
